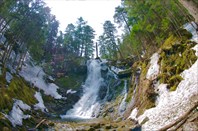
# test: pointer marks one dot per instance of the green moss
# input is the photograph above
(5, 124)
(130, 91)
(72, 81)
(2, 78)
(17, 89)
(176, 56)
(144, 68)
(174, 81)
(169, 42)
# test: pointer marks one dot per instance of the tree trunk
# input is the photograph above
(191, 7)
(96, 50)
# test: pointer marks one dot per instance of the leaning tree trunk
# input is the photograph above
(191, 7)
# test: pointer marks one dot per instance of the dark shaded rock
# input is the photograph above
(124, 74)
(49, 79)
(102, 92)
(96, 125)
(137, 128)
(90, 129)
(110, 110)
(108, 126)
(82, 69)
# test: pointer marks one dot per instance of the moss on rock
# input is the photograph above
(176, 56)
(17, 89)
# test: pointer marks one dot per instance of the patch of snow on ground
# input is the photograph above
(116, 70)
(40, 105)
(153, 70)
(174, 104)
(8, 77)
(191, 27)
(71, 91)
(196, 49)
(133, 114)
(16, 116)
(35, 75)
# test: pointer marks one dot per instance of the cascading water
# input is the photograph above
(122, 106)
(88, 105)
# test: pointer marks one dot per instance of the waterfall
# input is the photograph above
(122, 106)
(88, 105)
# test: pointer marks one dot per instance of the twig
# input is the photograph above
(40, 123)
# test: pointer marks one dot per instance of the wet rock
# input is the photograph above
(49, 79)
(137, 128)
(102, 92)
(124, 74)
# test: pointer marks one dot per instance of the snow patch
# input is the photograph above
(16, 116)
(191, 27)
(39, 105)
(196, 49)
(133, 114)
(71, 91)
(153, 70)
(116, 70)
(172, 105)
(8, 77)
(35, 75)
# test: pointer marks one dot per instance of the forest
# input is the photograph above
(28, 29)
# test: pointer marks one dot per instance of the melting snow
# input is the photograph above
(70, 91)
(16, 116)
(40, 105)
(153, 70)
(35, 75)
(116, 70)
(173, 104)
(133, 114)
(191, 27)
(8, 77)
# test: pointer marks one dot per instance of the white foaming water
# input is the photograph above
(122, 106)
(88, 105)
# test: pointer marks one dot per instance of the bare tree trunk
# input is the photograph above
(128, 27)
(96, 50)
(191, 7)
